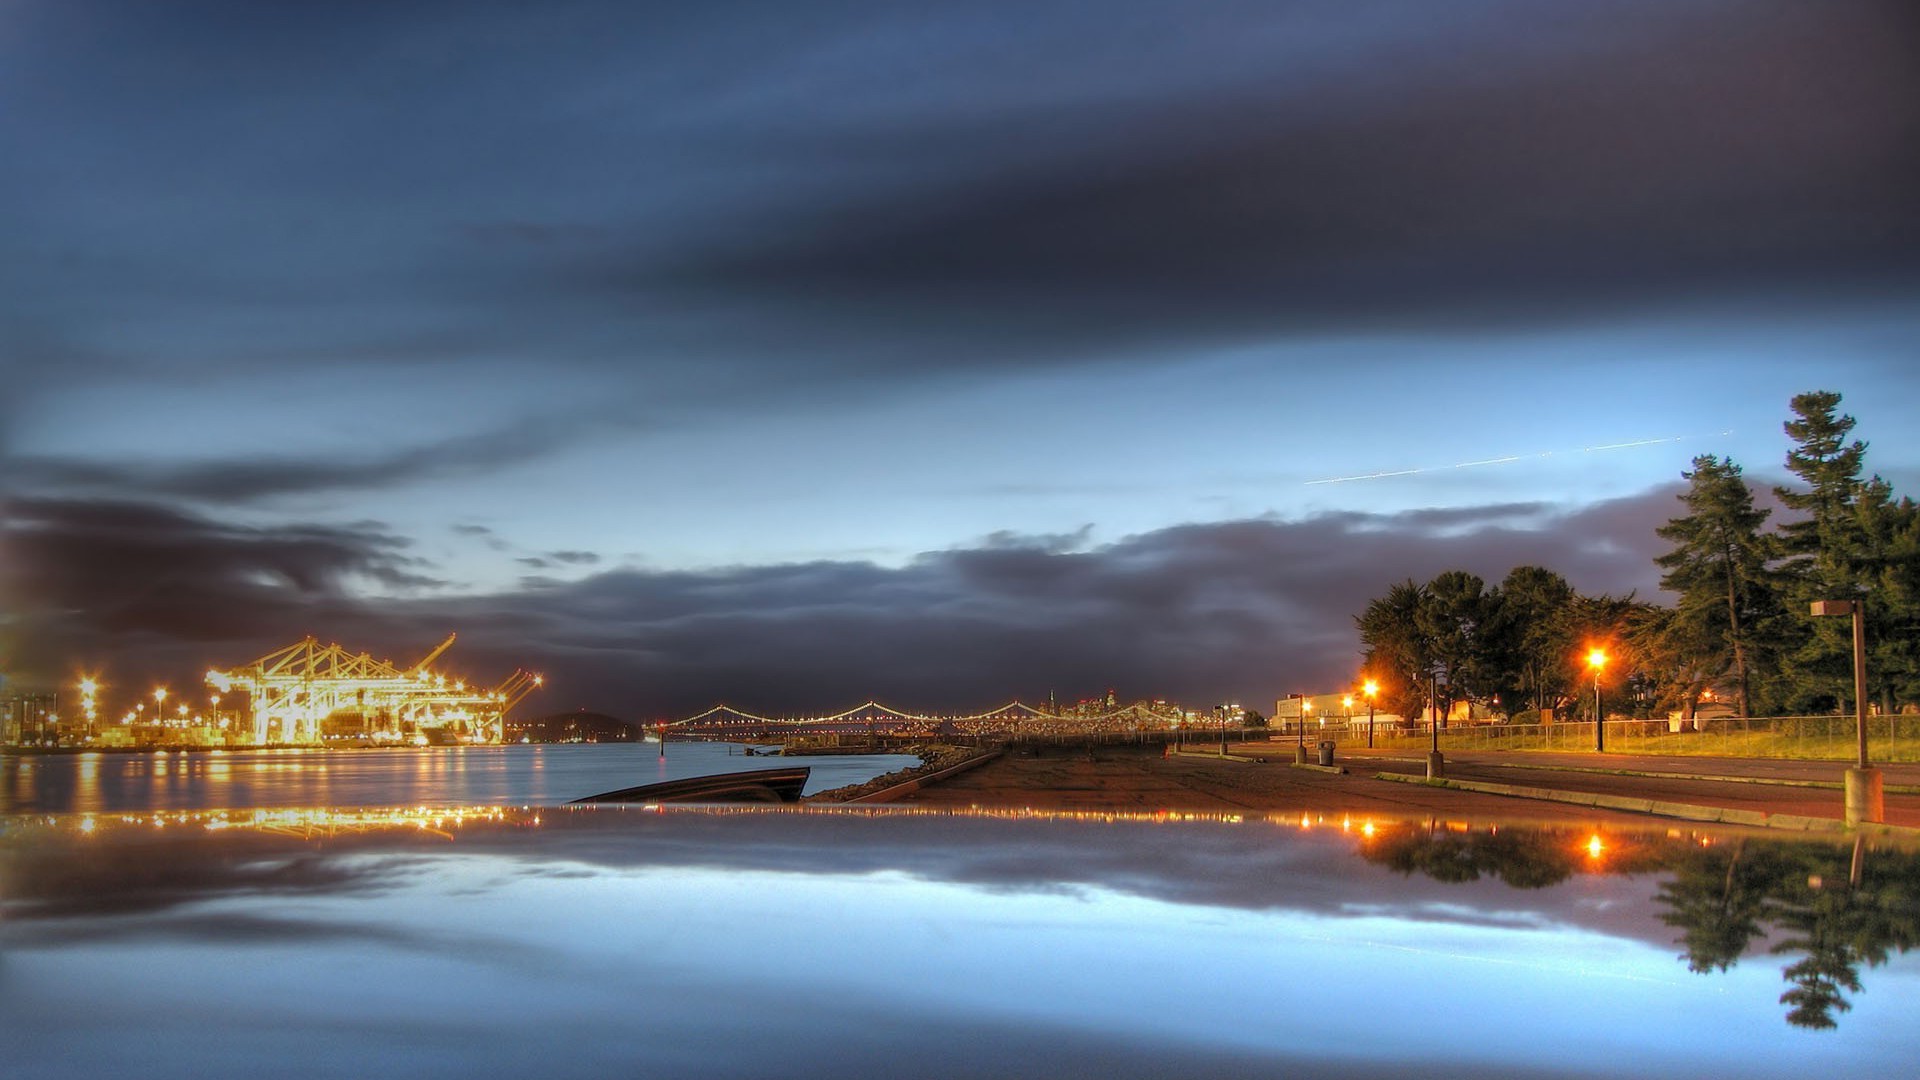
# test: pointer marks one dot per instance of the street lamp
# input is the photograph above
(1370, 689)
(1436, 762)
(1300, 750)
(1866, 796)
(1597, 660)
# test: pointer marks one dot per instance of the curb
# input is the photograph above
(1213, 756)
(1829, 785)
(1331, 770)
(1661, 808)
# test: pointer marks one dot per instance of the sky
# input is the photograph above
(795, 354)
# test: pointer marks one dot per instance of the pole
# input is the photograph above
(1436, 764)
(1433, 701)
(1860, 676)
(1369, 723)
(1865, 788)
(1599, 718)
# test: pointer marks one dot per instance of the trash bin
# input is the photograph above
(1326, 752)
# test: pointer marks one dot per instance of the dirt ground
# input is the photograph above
(1143, 781)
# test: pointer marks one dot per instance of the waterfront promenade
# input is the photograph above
(1135, 780)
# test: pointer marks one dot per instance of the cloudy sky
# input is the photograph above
(791, 354)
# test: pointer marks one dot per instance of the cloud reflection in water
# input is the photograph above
(841, 943)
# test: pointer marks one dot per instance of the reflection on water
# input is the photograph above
(796, 942)
(1834, 908)
(441, 776)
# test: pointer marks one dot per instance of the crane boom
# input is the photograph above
(434, 655)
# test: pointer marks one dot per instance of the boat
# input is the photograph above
(751, 786)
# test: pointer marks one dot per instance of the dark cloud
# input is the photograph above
(111, 583)
(1554, 164)
(1245, 609)
(257, 478)
(857, 194)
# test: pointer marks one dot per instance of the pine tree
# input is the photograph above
(1825, 548)
(1729, 604)
(1894, 661)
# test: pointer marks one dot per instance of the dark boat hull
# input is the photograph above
(752, 786)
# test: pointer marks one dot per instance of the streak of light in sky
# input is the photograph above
(1509, 459)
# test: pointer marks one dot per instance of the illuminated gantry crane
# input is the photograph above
(309, 693)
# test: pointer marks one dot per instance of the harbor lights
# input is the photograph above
(1597, 660)
(1370, 689)
(89, 707)
(1865, 790)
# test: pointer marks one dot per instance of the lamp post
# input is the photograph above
(1300, 746)
(1597, 660)
(1371, 689)
(1866, 795)
(1436, 762)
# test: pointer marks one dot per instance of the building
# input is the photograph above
(30, 719)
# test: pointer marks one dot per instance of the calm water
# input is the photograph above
(819, 943)
(438, 776)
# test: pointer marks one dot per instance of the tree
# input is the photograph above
(1398, 651)
(1603, 622)
(1729, 606)
(1894, 601)
(1455, 621)
(1534, 634)
(1825, 548)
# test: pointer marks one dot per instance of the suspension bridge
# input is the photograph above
(726, 722)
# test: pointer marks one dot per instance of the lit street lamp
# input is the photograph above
(1300, 750)
(1371, 689)
(1597, 660)
(1866, 794)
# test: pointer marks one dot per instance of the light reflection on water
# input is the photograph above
(502, 775)
(626, 941)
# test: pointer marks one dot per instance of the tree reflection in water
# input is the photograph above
(1837, 908)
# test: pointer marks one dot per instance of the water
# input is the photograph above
(836, 943)
(436, 776)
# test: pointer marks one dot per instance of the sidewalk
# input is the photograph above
(1788, 794)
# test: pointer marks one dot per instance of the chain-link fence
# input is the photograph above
(1889, 738)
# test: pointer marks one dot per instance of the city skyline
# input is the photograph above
(939, 354)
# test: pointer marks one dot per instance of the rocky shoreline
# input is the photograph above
(933, 757)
